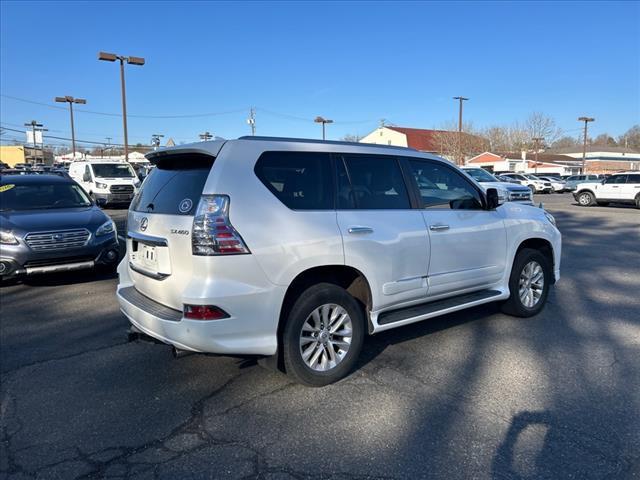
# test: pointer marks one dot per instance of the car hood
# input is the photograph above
(53, 219)
(512, 187)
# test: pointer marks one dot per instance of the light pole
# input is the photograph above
(112, 57)
(206, 136)
(536, 147)
(586, 121)
(460, 99)
(70, 100)
(323, 121)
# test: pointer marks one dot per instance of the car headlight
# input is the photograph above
(137, 183)
(106, 228)
(550, 218)
(8, 238)
(101, 185)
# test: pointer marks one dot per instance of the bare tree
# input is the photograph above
(351, 138)
(453, 146)
(539, 125)
(605, 140)
(631, 138)
(565, 142)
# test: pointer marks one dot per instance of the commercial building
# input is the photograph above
(14, 154)
(524, 162)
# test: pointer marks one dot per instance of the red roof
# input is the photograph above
(424, 140)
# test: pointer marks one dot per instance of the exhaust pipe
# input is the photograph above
(178, 353)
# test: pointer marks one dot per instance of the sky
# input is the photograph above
(353, 62)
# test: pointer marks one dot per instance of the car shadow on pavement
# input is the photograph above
(60, 279)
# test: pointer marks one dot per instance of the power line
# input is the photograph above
(79, 141)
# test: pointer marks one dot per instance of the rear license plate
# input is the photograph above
(146, 257)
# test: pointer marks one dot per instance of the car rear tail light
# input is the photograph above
(213, 233)
(204, 312)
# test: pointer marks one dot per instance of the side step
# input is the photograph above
(393, 316)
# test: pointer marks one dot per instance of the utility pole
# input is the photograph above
(36, 127)
(586, 121)
(252, 120)
(155, 140)
(460, 157)
(536, 147)
(206, 136)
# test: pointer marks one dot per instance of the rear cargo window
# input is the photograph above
(300, 180)
(174, 187)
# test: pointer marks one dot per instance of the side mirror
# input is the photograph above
(101, 202)
(493, 201)
(86, 177)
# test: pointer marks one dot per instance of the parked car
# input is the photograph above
(557, 185)
(502, 178)
(618, 188)
(49, 224)
(113, 182)
(573, 181)
(295, 250)
(507, 191)
(531, 181)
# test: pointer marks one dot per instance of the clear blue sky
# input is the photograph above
(354, 62)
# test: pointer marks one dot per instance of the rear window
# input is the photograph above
(300, 180)
(174, 187)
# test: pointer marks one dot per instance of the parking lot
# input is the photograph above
(475, 394)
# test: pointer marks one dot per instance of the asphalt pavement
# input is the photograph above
(475, 394)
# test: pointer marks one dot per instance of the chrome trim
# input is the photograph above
(148, 239)
(356, 230)
(47, 241)
(63, 267)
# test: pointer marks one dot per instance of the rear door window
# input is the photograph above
(300, 180)
(375, 182)
(174, 187)
(633, 178)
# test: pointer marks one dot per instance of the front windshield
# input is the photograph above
(41, 196)
(117, 170)
(481, 175)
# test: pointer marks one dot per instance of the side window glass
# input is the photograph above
(633, 178)
(87, 172)
(617, 179)
(443, 188)
(300, 180)
(376, 183)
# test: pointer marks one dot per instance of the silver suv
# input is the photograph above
(295, 250)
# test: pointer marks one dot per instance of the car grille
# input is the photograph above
(57, 261)
(519, 196)
(57, 240)
(547, 184)
(121, 188)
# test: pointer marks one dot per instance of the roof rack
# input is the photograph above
(329, 142)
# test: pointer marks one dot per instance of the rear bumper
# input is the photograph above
(251, 328)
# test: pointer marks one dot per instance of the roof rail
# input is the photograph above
(330, 142)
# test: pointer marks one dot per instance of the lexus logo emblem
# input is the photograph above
(143, 223)
(185, 205)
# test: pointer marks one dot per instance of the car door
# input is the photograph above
(468, 242)
(613, 187)
(383, 236)
(632, 187)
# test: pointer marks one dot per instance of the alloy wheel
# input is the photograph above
(325, 337)
(531, 284)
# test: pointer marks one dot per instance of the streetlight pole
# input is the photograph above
(586, 121)
(206, 136)
(536, 147)
(112, 57)
(460, 99)
(70, 100)
(323, 121)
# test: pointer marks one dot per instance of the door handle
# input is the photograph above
(438, 227)
(358, 230)
(615, 186)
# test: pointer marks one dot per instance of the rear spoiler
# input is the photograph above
(207, 151)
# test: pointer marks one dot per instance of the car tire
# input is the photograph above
(528, 283)
(638, 201)
(313, 339)
(586, 199)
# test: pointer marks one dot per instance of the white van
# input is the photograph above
(106, 181)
